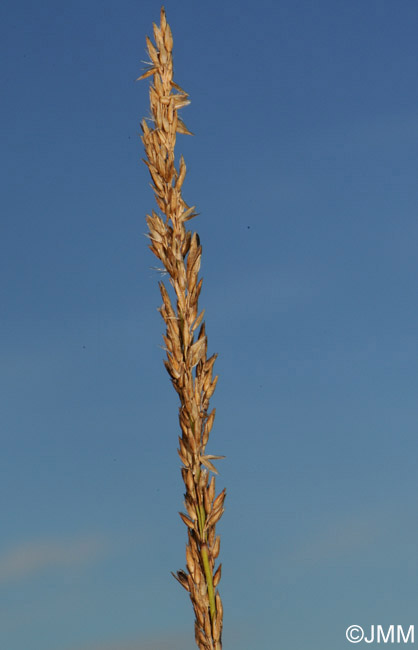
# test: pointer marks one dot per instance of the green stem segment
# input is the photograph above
(201, 518)
(209, 582)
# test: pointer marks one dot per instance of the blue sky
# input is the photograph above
(303, 169)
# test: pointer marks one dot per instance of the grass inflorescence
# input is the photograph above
(190, 370)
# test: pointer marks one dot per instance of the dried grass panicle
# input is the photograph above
(190, 370)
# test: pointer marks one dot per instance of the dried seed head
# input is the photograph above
(190, 371)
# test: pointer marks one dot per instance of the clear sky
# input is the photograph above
(304, 171)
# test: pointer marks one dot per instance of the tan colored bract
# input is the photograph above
(187, 364)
